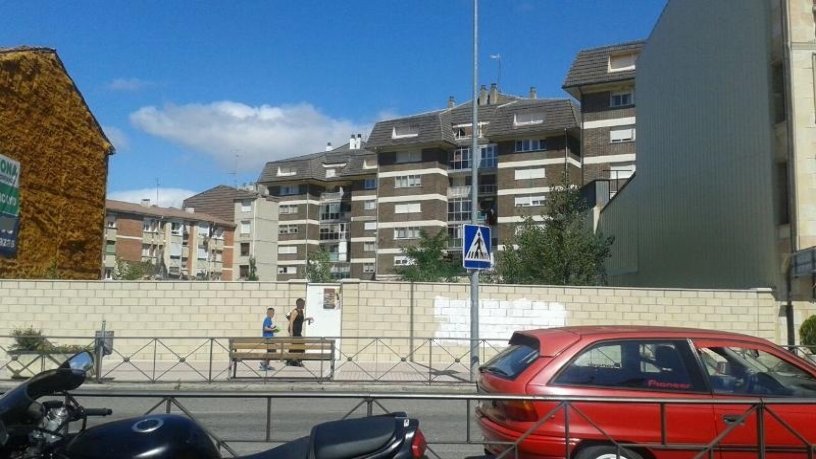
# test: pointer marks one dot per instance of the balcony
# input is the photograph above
(330, 197)
(459, 191)
(335, 216)
(488, 188)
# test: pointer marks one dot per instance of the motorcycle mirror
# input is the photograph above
(82, 361)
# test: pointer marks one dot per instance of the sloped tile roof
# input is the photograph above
(166, 212)
(313, 166)
(218, 201)
(591, 65)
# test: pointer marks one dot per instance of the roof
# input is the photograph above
(219, 201)
(591, 66)
(346, 162)
(436, 127)
(166, 212)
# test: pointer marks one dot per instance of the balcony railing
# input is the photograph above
(337, 196)
(333, 216)
(488, 188)
(459, 191)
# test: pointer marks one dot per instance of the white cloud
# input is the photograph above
(117, 137)
(257, 134)
(168, 197)
(128, 84)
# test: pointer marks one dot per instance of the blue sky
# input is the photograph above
(197, 94)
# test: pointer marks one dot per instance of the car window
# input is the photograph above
(652, 365)
(511, 361)
(747, 371)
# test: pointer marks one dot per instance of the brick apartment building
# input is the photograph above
(181, 244)
(363, 202)
(603, 81)
(255, 217)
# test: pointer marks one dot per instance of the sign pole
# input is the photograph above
(474, 195)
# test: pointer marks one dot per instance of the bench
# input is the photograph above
(282, 349)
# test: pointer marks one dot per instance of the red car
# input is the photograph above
(703, 367)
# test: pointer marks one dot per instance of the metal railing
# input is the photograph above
(575, 421)
(417, 360)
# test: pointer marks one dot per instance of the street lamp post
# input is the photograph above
(475, 154)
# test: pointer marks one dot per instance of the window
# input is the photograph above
(370, 184)
(289, 190)
(245, 249)
(108, 273)
(176, 228)
(287, 229)
(529, 174)
(736, 370)
(408, 181)
(110, 247)
(651, 365)
(287, 250)
(246, 205)
(149, 225)
(461, 159)
(530, 145)
(402, 260)
(368, 268)
(620, 135)
(203, 230)
(410, 232)
(370, 205)
(408, 157)
(529, 201)
(110, 222)
(465, 131)
(370, 226)
(218, 233)
(202, 253)
(243, 271)
(407, 208)
(287, 269)
(245, 226)
(369, 164)
(288, 209)
(335, 211)
(621, 99)
(369, 246)
(331, 173)
(284, 171)
(219, 256)
(146, 250)
(404, 131)
(334, 232)
(512, 361)
(622, 62)
(459, 209)
(528, 119)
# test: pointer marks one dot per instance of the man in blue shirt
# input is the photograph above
(268, 332)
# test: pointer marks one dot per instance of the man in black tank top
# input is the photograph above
(296, 318)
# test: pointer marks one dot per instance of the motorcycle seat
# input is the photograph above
(296, 449)
(352, 437)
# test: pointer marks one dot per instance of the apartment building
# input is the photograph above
(182, 245)
(327, 200)
(603, 81)
(725, 193)
(255, 216)
(365, 201)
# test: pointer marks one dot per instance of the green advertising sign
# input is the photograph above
(9, 205)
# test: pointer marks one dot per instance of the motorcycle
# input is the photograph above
(33, 430)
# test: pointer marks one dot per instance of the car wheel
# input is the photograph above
(606, 452)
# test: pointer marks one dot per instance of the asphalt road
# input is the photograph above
(245, 419)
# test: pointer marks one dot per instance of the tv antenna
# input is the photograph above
(497, 57)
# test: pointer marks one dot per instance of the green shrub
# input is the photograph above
(807, 333)
(32, 340)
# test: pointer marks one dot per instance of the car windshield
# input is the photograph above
(510, 362)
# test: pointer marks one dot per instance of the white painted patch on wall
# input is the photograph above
(498, 319)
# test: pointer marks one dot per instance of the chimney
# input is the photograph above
(359, 141)
(493, 97)
(533, 93)
(483, 95)
(145, 202)
(352, 143)
(329, 147)
(451, 102)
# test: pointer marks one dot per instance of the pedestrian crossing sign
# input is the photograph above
(476, 247)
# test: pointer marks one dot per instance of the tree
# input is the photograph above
(561, 250)
(128, 270)
(318, 267)
(429, 261)
(253, 270)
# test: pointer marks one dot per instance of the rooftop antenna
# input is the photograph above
(234, 172)
(157, 191)
(497, 56)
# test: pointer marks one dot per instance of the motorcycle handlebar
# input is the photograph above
(97, 412)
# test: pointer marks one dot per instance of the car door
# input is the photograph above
(762, 380)
(659, 369)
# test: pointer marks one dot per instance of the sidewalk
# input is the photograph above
(199, 376)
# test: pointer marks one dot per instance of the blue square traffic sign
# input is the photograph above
(476, 247)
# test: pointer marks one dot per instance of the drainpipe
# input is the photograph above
(789, 117)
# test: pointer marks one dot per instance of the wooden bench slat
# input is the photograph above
(286, 356)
